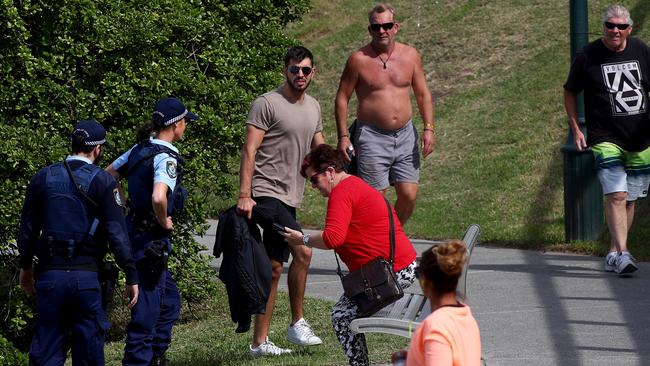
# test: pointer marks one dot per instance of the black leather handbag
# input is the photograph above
(373, 286)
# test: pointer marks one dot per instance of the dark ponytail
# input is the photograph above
(144, 132)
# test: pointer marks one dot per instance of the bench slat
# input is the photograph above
(402, 328)
(399, 306)
(414, 307)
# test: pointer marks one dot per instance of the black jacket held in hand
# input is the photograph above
(245, 269)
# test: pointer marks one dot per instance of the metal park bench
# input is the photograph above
(405, 315)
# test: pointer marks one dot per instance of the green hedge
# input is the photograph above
(65, 60)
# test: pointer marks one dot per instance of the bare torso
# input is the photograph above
(383, 94)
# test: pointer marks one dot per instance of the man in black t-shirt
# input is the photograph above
(613, 73)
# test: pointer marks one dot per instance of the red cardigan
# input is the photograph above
(357, 226)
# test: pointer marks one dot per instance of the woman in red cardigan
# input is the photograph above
(357, 227)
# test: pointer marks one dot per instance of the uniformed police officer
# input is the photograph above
(71, 209)
(153, 170)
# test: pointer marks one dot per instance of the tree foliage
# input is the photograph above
(66, 60)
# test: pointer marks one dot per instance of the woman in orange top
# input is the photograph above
(449, 335)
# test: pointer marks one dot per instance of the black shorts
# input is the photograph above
(267, 211)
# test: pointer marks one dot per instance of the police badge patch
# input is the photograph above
(118, 198)
(171, 169)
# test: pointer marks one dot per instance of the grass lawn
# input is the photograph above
(212, 340)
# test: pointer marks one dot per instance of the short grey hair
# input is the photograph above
(617, 11)
(380, 8)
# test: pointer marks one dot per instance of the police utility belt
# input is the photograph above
(62, 255)
(67, 249)
(146, 222)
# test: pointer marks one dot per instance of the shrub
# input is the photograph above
(65, 60)
(9, 355)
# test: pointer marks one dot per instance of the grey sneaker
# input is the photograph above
(610, 262)
(625, 264)
(267, 349)
(301, 334)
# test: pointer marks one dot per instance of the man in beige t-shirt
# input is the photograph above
(281, 127)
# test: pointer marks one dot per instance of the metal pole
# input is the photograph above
(583, 197)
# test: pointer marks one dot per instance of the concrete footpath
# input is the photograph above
(536, 308)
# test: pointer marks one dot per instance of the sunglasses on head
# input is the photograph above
(614, 25)
(306, 70)
(375, 26)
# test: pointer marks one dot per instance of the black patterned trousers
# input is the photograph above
(345, 311)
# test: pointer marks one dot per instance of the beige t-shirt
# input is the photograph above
(289, 129)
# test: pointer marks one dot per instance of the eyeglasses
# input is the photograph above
(614, 25)
(314, 178)
(387, 26)
(306, 70)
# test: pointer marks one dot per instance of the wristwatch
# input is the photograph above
(305, 239)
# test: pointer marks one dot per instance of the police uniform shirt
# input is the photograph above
(102, 190)
(165, 165)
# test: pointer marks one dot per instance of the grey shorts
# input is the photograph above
(387, 157)
(616, 179)
(622, 171)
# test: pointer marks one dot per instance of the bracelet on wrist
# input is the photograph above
(342, 136)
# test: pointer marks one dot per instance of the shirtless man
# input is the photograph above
(382, 74)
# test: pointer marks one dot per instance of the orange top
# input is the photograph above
(447, 337)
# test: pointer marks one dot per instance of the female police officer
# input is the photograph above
(152, 168)
(71, 209)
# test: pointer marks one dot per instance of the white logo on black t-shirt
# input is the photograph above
(623, 81)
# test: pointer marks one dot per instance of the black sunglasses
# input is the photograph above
(375, 27)
(614, 25)
(306, 70)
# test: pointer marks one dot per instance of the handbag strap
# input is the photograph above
(391, 234)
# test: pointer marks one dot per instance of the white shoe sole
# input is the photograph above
(306, 344)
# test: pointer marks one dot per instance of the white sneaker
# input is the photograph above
(625, 263)
(610, 262)
(301, 334)
(267, 349)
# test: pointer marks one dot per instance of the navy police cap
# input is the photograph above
(88, 133)
(171, 110)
